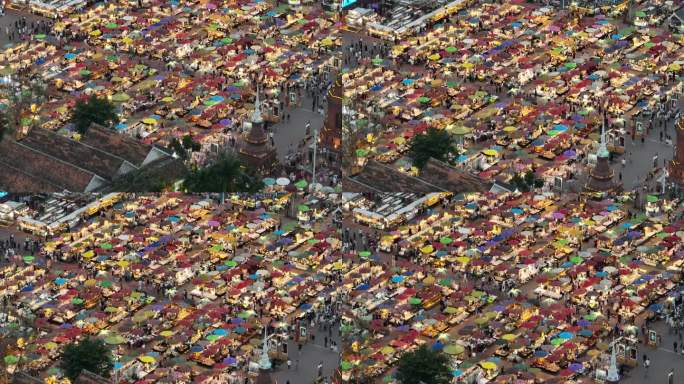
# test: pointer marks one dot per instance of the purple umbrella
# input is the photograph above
(576, 367)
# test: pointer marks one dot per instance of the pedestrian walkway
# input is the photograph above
(313, 352)
(663, 359)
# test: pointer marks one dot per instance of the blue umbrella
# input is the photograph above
(566, 335)
(586, 333)
(437, 346)
(407, 81)
(305, 306)
(60, 281)
(220, 332)
(397, 279)
(655, 307)
(540, 353)
(362, 287)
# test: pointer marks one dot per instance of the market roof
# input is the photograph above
(377, 177)
(451, 179)
(27, 169)
(87, 377)
(25, 378)
(679, 14)
(12, 178)
(95, 160)
(44, 161)
(117, 144)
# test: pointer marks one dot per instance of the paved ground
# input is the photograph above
(641, 163)
(663, 359)
(288, 134)
(312, 353)
(8, 19)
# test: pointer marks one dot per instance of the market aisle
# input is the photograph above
(312, 354)
(288, 134)
(8, 19)
(663, 359)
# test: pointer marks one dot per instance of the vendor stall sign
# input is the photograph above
(652, 337)
(558, 184)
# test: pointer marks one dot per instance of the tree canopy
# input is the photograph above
(94, 110)
(434, 143)
(184, 146)
(424, 365)
(228, 174)
(526, 182)
(90, 354)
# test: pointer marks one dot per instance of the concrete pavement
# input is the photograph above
(663, 359)
(312, 353)
(8, 19)
(288, 134)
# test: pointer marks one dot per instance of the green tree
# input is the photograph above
(434, 143)
(424, 365)
(190, 144)
(90, 354)
(228, 174)
(178, 148)
(93, 110)
(184, 146)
